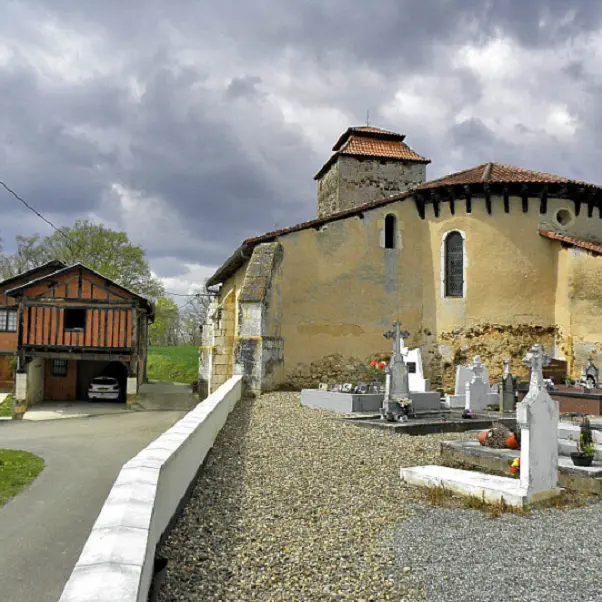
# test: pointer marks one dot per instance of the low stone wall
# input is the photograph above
(116, 564)
(331, 369)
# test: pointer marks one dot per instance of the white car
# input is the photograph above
(104, 387)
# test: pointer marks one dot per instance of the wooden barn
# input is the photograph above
(9, 321)
(73, 325)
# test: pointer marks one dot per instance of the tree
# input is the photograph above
(104, 250)
(166, 328)
(192, 316)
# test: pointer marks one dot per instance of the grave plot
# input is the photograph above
(404, 393)
(537, 466)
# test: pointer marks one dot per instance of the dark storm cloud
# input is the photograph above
(243, 87)
(204, 135)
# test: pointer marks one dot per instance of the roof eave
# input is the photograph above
(230, 266)
(335, 156)
(18, 290)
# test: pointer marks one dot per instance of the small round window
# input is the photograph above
(564, 218)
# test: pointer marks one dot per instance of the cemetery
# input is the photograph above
(515, 422)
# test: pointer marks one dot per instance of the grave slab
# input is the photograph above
(422, 402)
(342, 403)
(577, 478)
(490, 488)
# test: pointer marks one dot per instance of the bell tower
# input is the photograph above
(367, 164)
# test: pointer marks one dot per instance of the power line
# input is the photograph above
(11, 191)
(191, 294)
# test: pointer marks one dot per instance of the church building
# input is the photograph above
(486, 261)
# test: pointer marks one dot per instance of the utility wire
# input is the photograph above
(191, 294)
(34, 210)
(11, 191)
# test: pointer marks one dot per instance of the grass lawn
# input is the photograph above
(17, 470)
(173, 364)
(6, 407)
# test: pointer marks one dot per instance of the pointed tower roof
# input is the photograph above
(368, 141)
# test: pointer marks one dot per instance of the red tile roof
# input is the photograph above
(369, 141)
(498, 173)
(571, 240)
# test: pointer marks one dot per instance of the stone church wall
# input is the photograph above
(341, 291)
(351, 182)
(334, 291)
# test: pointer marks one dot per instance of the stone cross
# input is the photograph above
(397, 381)
(536, 359)
(399, 336)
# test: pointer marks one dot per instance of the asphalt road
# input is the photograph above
(45, 527)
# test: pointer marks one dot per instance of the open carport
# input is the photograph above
(87, 370)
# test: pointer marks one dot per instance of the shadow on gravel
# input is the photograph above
(201, 547)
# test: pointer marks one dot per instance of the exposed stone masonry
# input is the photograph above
(352, 181)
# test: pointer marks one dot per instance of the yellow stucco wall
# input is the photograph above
(338, 290)
(341, 290)
(226, 329)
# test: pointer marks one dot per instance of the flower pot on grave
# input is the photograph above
(511, 442)
(483, 437)
(580, 459)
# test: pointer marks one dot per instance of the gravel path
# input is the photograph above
(546, 556)
(295, 505)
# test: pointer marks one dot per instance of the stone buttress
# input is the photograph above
(258, 344)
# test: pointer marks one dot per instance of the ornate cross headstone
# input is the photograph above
(536, 359)
(476, 390)
(397, 382)
(538, 416)
(477, 369)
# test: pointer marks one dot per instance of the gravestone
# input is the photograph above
(508, 394)
(413, 361)
(476, 393)
(591, 372)
(537, 415)
(397, 385)
(464, 375)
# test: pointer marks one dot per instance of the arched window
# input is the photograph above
(454, 265)
(390, 231)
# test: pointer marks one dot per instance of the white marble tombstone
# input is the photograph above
(413, 357)
(472, 388)
(537, 415)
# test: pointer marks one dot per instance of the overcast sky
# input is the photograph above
(193, 125)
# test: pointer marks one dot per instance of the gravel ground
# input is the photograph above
(545, 556)
(295, 505)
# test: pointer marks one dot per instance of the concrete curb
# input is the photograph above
(116, 564)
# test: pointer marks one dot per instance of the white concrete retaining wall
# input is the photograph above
(116, 564)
